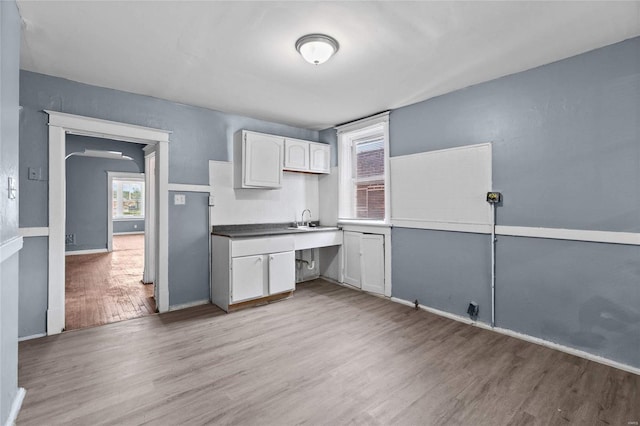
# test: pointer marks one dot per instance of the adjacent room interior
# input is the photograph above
(104, 233)
(267, 213)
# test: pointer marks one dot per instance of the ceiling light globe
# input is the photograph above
(316, 48)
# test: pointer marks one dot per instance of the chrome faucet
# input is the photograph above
(302, 218)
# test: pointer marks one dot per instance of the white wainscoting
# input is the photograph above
(34, 232)
(10, 247)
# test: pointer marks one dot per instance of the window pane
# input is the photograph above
(369, 179)
(130, 202)
(369, 159)
(370, 200)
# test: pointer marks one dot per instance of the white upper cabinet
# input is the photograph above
(257, 160)
(320, 154)
(305, 156)
(296, 155)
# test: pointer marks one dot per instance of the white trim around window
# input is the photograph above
(111, 176)
(347, 135)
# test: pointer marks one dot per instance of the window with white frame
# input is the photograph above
(363, 149)
(128, 198)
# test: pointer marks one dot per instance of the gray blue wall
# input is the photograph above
(199, 135)
(566, 154)
(330, 136)
(128, 226)
(87, 194)
(9, 270)
(188, 268)
(33, 287)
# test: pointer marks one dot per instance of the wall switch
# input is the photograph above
(179, 199)
(12, 188)
(35, 173)
(212, 201)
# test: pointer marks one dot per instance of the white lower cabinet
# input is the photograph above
(282, 272)
(352, 258)
(364, 261)
(247, 280)
(372, 269)
(262, 275)
(246, 269)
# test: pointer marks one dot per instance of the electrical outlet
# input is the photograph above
(35, 173)
(494, 197)
(473, 310)
(69, 239)
(179, 199)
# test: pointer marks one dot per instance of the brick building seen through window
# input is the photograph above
(369, 179)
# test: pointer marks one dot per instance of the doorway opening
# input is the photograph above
(105, 233)
(60, 126)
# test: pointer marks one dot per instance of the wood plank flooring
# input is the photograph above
(329, 355)
(104, 288)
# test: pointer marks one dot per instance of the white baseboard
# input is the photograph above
(15, 407)
(33, 336)
(189, 305)
(91, 251)
(129, 233)
(526, 337)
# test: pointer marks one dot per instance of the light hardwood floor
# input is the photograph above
(104, 288)
(329, 355)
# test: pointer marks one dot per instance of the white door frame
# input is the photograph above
(150, 196)
(122, 175)
(61, 124)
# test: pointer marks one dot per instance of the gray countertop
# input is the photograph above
(266, 229)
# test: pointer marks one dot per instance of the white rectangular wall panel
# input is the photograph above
(444, 186)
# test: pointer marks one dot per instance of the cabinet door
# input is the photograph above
(372, 247)
(320, 158)
(352, 255)
(296, 155)
(282, 272)
(262, 155)
(247, 278)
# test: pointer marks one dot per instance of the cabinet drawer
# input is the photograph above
(264, 245)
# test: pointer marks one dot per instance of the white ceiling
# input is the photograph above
(239, 57)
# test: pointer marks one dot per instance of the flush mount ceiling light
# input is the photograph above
(317, 48)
